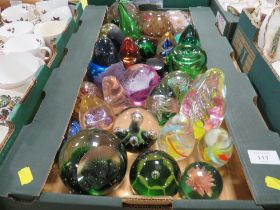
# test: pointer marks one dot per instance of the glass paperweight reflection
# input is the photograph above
(92, 162)
(155, 173)
(137, 129)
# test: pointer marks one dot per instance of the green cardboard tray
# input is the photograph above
(22, 112)
(37, 149)
(230, 19)
(166, 3)
(260, 72)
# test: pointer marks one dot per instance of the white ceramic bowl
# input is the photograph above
(47, 6)
(17, 69)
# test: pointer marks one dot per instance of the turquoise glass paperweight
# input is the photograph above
(201, 181)
(155, 173)
(92, 162)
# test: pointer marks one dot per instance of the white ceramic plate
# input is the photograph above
(17, 69)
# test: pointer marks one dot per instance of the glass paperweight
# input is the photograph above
(177, 138)
(114, 33)
(165, 45)
(139, 81)
(146, 47)
(74, 128)
(165, 99)
(96, 113)
(87, 88)
(114, 94)
(216, 147)
(104, 54)
(92, 162)
(113, 13)
(158, 65)
(178, 20)
(156, 26)
(155, 173)
(201, 181)
(205, 101)
(137, 128)
(127, 23)
(106, 28)
(116, 69)
(129, 52)
(187, 58)
(190, 36)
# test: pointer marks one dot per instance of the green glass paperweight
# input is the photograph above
(92, 162)
(201, 181)
(127, 24)
(155, 173)
(190, 36)
(187, 58)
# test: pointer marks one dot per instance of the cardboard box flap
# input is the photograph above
(36, 147)
(242, 116)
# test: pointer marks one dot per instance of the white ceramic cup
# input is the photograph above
(58, 14)
(13, 29)
(17, 69)
(46, 6)
(28, 43)
(20, 12)
(50, 30)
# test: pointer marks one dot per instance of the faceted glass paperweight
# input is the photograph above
(96, 113)
(201, 181)
(137, 129)
(146, 47)
(205, 101)
(129, 52)
(165, 45)
(178, 20)
(113, 13)
(190, 36)
(156, 26)
(187, 58)
(114, 94)
(177, 138)
(216, 147)
(116, 69)
(139, 81)
(127, 23)
(87, 88)
(155, 173)
(92, 162)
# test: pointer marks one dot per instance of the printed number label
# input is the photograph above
(269, 157)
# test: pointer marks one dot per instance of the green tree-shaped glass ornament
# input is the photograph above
(187, 58)
(127, 24)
